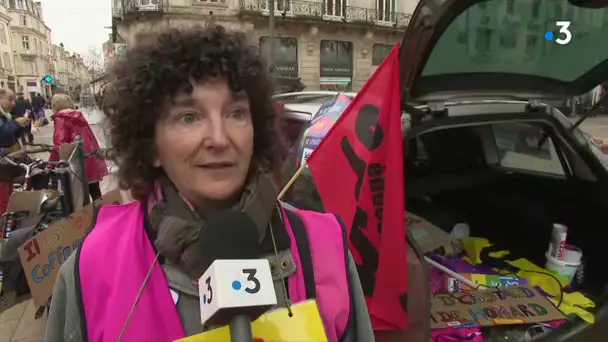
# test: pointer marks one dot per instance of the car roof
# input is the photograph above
(307, 102)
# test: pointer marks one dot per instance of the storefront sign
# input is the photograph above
(285, 55)
(336, 58)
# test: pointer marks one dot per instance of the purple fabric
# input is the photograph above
(459, 265)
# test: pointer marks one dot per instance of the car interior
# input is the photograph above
(510, 185)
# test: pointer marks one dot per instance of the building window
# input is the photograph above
(3, 37)
(23, 20)
(510, 6)
(335, 8)
(7, 61)
(280, 6)
(386, 9)
(536, 9)
(483, 41)
(380, 51)
(29, 67)
(531, 41)
(21, 4)
(336, 62)
(147, 5)
(509, 32)
(285, 55)
(25, 40)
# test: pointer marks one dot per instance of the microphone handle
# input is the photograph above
(240, 329)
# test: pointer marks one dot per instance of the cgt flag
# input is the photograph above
(358, 168)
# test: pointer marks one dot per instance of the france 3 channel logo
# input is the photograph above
(563, 36)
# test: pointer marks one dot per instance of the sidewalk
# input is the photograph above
(17, 324)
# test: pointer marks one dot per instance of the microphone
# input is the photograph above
(236, 287)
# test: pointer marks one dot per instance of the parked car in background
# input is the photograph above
(300, 107)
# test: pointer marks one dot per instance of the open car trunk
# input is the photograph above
(466, 169)
(487, 172)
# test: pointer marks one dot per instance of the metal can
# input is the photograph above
(557, 246)
(9, 225)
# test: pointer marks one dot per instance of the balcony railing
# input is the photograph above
(324, 11)
(141, 6)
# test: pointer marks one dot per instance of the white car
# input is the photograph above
(299, 104)
(301, 107)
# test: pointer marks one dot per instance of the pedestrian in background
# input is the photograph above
(10, 130)
(38, 103)
(70, 123)
(21, 108)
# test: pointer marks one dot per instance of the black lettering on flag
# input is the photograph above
(370, 134)
(367, 251)
(367, 127)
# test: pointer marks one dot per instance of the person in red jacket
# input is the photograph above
(70, 123)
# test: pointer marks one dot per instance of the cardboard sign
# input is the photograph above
(428, 236)
(276, 326)
(513, 305)
(43, 254)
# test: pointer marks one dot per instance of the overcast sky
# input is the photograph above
(78, 24)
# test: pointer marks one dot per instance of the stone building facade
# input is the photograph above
(7, 62)
(31, 40)
(327, 44)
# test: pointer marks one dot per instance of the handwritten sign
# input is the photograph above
(513, 305)
(43, 254)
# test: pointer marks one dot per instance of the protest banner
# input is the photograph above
(42, 255)
(303, 325)
(504, 306)
(357, 168)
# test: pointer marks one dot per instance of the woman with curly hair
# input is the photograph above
(192, 126)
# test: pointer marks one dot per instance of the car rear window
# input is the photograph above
(511, 36)
(317, 99)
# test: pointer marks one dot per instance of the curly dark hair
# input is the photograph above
(159, 66)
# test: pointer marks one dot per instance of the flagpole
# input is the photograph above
(292, 180)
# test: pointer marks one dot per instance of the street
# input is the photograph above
(18, 325)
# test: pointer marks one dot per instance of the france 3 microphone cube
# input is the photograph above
(235, 287)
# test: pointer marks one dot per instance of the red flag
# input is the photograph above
(358, 171)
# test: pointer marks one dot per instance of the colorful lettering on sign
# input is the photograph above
(32, 249)
(55, 258)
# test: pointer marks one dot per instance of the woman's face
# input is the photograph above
(204, 142)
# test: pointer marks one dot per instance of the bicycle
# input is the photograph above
(65, 176)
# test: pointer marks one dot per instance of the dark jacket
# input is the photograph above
(21, 105)
(38, 102)
(9, 131)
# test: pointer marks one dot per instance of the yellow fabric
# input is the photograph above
(304, 326)
(572, 303)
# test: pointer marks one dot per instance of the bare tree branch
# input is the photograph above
(94, 62)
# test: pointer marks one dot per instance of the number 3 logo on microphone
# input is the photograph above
(208, 297)
(254, 286)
